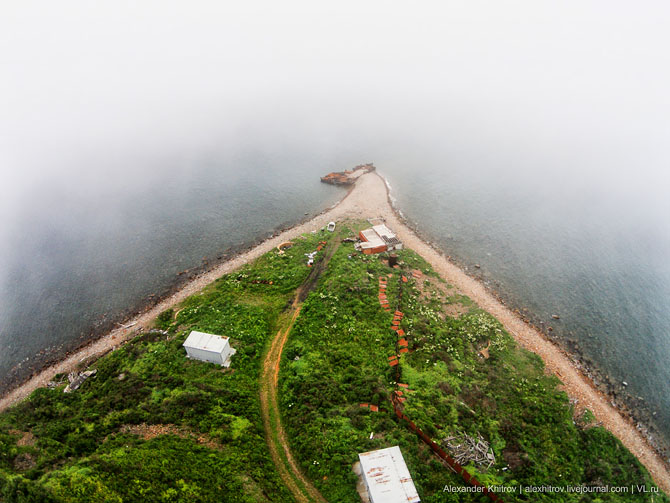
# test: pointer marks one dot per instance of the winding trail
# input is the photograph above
(370, 198)
(289, 471)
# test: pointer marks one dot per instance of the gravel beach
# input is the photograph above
(368, 199)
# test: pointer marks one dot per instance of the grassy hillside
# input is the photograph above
(155, 426)
(337, 359)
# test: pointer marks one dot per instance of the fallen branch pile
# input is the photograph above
(465, 449)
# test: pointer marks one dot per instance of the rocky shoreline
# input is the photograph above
(630, 406)
(26, 370)
(370, 197)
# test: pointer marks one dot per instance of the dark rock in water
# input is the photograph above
(477, 266)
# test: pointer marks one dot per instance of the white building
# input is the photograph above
(378, 239)
(209, 348)
(388, 236)
(386, 476)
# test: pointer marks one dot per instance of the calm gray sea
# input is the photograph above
(598, 260)
(77, 261)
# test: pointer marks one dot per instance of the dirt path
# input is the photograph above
(369, 198)
(289, 471)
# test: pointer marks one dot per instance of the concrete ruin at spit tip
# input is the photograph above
(347, 177)
(209, 348)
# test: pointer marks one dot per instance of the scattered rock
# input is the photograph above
(24, 461)
(485, 351)
(55, 383)
(77, 380)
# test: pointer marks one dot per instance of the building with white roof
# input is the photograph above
(388, 236)
(386, 476)
(209, 348)
(378, 239)
(371, 242)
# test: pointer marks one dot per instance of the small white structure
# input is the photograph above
(209, 348)
(386, 476)
(378, 239)
(388, 236)
(331, 226)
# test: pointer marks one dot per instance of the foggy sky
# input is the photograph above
(550, 89)
(531, 107)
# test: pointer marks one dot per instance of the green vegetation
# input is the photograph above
(155, 426)
(337, 358)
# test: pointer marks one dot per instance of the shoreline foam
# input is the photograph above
(628, 405)
(371, 197)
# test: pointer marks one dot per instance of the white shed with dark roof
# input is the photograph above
(386, 476)
(209, 348)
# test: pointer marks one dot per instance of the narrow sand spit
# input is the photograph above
(368, 199)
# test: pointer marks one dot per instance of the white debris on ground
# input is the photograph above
(77, 379)
(465, 448)
(310, 257)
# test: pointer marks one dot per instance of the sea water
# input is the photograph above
(598, 261)
(78, 262)
(595, 259)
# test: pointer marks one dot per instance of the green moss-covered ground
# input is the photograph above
(337, 358)
(79, 446)
(154, 426)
